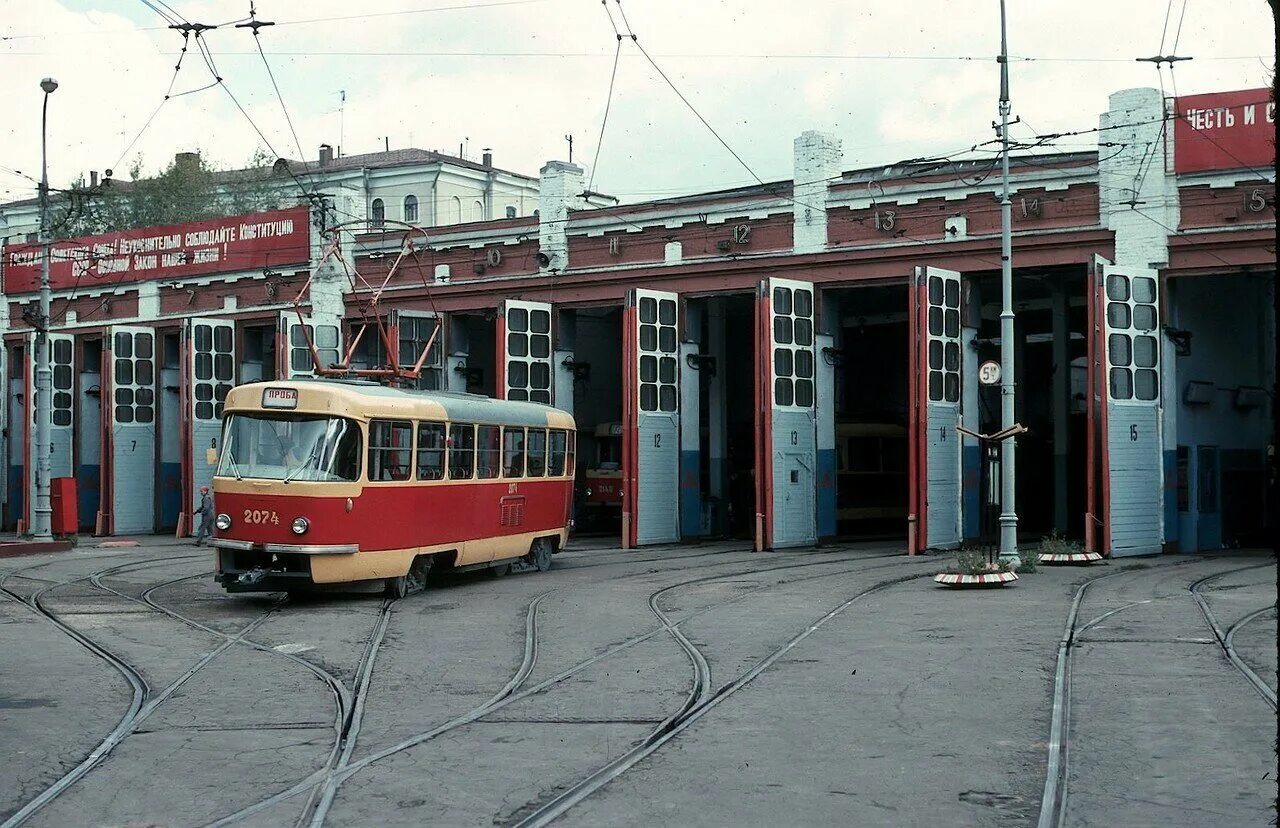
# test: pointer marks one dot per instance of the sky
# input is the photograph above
(893, 80)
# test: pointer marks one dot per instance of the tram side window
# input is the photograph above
(513, 451)
(462, 451)
(430, 451)
(557, 447)
(488, 451)
(390, 449)
(537, 446)
(573, 451)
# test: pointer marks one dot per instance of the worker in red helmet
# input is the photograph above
(206, 516)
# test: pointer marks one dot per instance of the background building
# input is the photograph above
(785, 362)
(414, 186)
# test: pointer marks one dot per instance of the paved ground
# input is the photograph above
(701, 686)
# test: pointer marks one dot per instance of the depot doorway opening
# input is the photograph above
(597, 408)
(871, 376)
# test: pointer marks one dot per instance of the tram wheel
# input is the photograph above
(539, 556)
(498, 570)
(415, 580)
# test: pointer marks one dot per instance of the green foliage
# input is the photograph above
(971, 560)
(189, 189)
(1028, 558)
(1055, 544)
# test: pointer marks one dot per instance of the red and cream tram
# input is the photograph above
(325, 482)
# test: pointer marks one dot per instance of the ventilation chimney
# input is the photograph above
(93, 178)
(326, 155)
(186, 160)
(487, 158)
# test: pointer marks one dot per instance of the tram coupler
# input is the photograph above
(252, 577)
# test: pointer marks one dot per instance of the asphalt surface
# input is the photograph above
(711, 685)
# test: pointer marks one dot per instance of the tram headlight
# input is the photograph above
(588, 491)
(301, 525)
(222, 521)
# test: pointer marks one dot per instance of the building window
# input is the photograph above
(415, 333)
(410, 209)
(657, 341)
(511, 211)
(455, 215)
(134, 378)
(327, 344)
(478, 209)
(377, 213)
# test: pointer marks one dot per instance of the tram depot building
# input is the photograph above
(784, 363)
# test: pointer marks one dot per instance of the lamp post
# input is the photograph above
(1008, 514)
(41, 513)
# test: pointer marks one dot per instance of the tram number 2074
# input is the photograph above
(261, 516)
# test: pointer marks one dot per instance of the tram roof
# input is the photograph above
(363, 399)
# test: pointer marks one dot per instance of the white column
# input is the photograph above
(559, 191)
(330, 284)
(1136, 195)
(817, 163)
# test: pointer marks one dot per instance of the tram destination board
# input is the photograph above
(286, 398)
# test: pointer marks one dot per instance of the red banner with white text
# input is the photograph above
(1224, 131)
(236, 243)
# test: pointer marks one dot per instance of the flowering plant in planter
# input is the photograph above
(976, 567)
(973, 561)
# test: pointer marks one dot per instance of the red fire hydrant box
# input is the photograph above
(66, 507)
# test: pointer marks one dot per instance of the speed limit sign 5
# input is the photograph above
(989, 372)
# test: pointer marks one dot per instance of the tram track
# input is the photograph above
(511, 693)
(143, 701)
(576, 793)
(1054, 801)
(351, 727)
(1226, 639)
(17, 573)
(348, 704)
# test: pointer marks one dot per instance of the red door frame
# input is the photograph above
(28, 429)
(630, 423)
(106, 517)
(186, 349)
(1098, 460)
(763, 532)
(917, 393)
(499, 352)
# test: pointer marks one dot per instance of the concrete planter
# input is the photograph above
(1071, 559)
(959, 580)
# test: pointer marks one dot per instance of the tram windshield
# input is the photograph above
(290, 447)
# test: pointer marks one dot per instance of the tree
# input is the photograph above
(189, 189)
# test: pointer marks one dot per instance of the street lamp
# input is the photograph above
(41, 513)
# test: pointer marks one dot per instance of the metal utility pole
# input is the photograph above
(1008, 512)
(42, 513)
